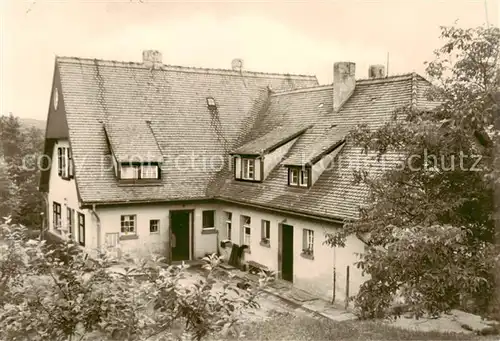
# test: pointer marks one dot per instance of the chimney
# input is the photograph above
(376, 71)
(152, 59)
(237, 64)
(344, 82)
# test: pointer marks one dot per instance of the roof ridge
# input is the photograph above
(167, 67)
(393, 78)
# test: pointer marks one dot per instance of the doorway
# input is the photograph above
(287, 252)
(180, 235)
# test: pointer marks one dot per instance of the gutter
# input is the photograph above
(284, 211)
(98, 227)
(330, 219)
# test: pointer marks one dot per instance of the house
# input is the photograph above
(152, 158)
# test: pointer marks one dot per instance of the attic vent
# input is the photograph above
(211, 103)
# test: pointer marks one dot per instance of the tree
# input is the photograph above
(58, 293)
(431, 220)
(19, 174)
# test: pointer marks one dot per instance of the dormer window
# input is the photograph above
(299, 176)
(248, 168)
(138, 172)
(211, 103)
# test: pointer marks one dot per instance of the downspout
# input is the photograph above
(45, 216)
(98, 227)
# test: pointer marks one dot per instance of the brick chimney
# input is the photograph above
(376, 71)
(344, 82)
(152, 59)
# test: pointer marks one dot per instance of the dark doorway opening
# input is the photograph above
(180, 236)
(287, 253)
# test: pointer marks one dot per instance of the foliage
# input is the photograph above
(430, 224)
(56, 293)
(19, 154)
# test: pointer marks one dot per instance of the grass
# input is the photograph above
(286, 326)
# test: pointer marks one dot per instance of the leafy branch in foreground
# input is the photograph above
(57, 292)
(431, 225)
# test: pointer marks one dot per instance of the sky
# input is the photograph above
(288, 37)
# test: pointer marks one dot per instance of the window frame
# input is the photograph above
(245, 169)
(81, 229)
(302, 176)
(56, 216)
(203, 227)
(122, 221)
(64, 163)
(138, 169)
(308, 241)
(157, 221)
(246, 224)
(229, 225)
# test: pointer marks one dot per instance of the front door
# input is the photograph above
(287, 253)
(180, 234)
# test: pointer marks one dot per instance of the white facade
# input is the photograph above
(64, 192)
(314, 273)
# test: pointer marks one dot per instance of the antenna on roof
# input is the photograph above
(387, 67)
(486, 13)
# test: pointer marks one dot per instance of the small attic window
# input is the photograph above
(211, 103)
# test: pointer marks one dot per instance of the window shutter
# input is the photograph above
(237, 167)
(258, 170)
(59, 161)
(70, 163)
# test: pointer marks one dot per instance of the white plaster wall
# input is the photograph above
(314, 275)
(64, 192)
(156, 243)
(276, 156)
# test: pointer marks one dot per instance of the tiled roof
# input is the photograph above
(132, 140)
(191, 138)
(271, 140)
(313, 152)
(193, 141)
(334, 194)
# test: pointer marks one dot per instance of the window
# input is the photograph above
(128, 224)
(149, 172)
(154, 226)
(70, 217)
(298, 177)
(247, 230)
(208, 219)
(60, 161)
(70, 163)
(304, 178)
(266, 232)
(129, 172)
(308, 242)
(81, 229)
(229, 223)
(294, 176)
(248, 169)
(64, 163)
(135, 172)
(56, 217)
